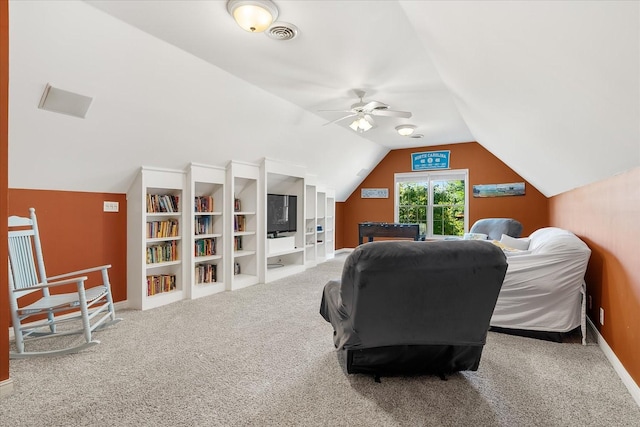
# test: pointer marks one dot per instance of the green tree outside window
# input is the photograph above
(445, 205)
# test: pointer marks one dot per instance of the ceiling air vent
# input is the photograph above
(282, 31)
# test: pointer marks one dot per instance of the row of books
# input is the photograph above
(163, 203)
(203, 225)
(205, 273)
(159, 229)
(162, 253)
(160, 283)
(239, 223)
(203, 204)
(205, 247)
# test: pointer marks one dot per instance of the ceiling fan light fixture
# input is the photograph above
(360, 125)
(405, 130)
(254, 16)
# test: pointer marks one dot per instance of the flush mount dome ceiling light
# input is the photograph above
(405, 130)
(254, 16)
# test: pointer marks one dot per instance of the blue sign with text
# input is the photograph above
(430, 160)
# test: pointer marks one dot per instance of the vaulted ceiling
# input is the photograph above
(550, 88)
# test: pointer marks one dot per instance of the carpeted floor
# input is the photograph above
(263, 356)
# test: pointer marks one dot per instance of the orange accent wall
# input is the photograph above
(4, 177)
(77, 234)
(606, 215)
(484, 168)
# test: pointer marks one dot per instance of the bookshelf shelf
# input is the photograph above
(206, 236)
(243, 253)
(207, 258)
(162, 264)
(162, 239)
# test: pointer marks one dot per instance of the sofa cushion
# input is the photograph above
(521, 244)
(475, 236)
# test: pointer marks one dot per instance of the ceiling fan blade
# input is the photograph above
(372, 105)
(340, 119)
(336, 111)
(369, 118)
(390, 113)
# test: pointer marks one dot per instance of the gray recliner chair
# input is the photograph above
(494, 228)
(406, 307)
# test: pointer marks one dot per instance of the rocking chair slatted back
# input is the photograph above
(21, 256)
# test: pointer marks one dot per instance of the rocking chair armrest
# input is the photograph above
(73, 273)
(52, 284)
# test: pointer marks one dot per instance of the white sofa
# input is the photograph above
(544, 288)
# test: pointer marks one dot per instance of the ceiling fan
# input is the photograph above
(363, 113)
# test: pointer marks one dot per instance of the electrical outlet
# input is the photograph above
(602, 316)
(111, 206)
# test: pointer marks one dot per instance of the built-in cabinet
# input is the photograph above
(195, 232)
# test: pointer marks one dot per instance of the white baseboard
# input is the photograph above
(121, 305)
(631, 385)
(6, 387)
(344, 250)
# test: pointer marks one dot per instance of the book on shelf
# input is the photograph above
(157, 284)
(237, 243)
(239, 223)
(162, 229)
(164, 252)
(203, 204)
(236, 205)
(203, 225)
(205, 247)
(163, 203)
(206, 273)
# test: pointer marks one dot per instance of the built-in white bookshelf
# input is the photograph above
(155, 203)
(242, 198)
(207, 262)
(310, 223)
(321, 224)
(203, 230)
(330, 224)
(284, 251)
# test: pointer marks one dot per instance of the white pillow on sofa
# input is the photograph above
(521, 244)
(475, 236)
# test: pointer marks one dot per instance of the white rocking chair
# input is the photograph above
(39, 318)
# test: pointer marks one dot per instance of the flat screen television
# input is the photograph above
(282, 213)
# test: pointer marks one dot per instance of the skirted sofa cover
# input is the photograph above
(404, 307)
(543, 294)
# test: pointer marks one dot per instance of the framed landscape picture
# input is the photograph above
(499, 190)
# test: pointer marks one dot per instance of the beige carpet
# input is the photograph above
(263, 356)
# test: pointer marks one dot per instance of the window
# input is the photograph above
(437, 201)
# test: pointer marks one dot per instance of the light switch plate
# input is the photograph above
(111, 206)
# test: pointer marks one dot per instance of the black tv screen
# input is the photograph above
(281, 213)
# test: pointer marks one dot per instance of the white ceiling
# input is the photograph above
(550, 88)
